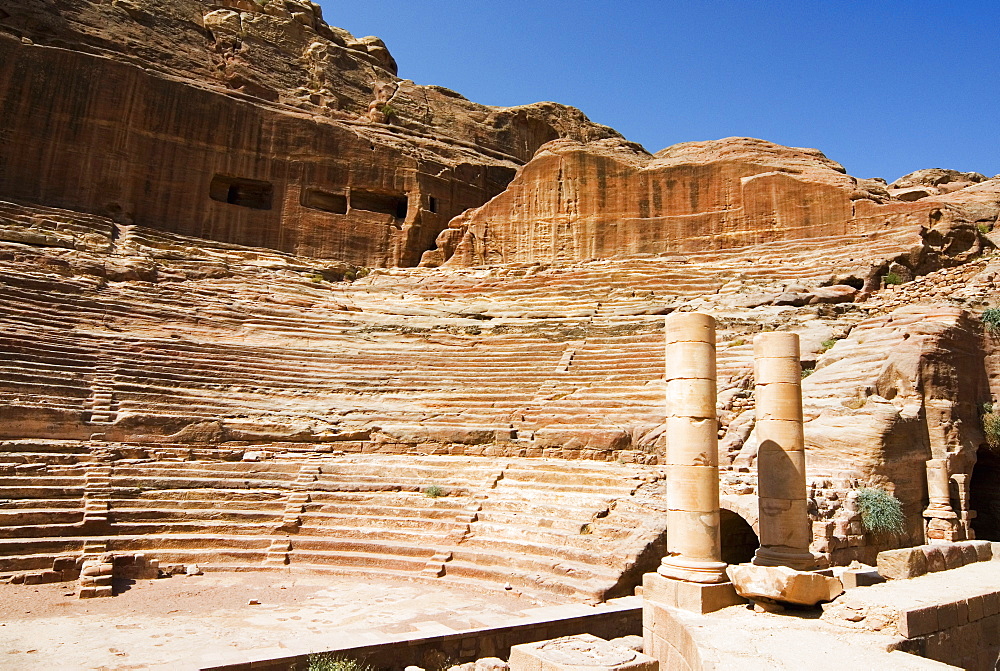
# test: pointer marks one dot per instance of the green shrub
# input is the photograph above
(827, 344)
(328, 661)
(881, 512)
(738, 342)
(434, 491)
(806, 372)
(983, 228)
(892, 278)
(991, 319)
(991, 426)
(389, 111)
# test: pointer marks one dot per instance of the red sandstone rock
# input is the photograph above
(575, 201)
(259, 135)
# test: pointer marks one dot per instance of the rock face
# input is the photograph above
(577, 201)
(254, 124)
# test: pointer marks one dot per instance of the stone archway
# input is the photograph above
(738, 528)
(984, 495)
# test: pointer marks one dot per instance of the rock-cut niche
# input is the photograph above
(253, 193)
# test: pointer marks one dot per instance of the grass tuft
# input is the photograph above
(434, 491)
(328, 661)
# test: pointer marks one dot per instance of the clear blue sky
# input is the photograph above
(883, 88)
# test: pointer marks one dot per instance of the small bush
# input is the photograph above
(434, 491)
(327, 661)
(806, 372)
(738, 342)
(892, 278)
(388, 110)
(881, 512)
(991, 427)
(983, 228)
(991, 320)
(827, 344)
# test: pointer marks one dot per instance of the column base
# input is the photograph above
(800, 560)
(693, 570)
(689, 596)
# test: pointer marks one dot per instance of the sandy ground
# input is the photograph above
(186, 622)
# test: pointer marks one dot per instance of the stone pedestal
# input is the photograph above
(785, 531)
(690, 596)
(693, 544)
(572, 653)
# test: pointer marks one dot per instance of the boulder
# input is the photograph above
(783, 584)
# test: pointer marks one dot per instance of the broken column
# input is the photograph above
(693, 545)
(940, 520)
(785, 531)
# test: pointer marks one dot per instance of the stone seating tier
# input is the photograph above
(551, 529)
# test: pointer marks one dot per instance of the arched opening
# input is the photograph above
(984, 495)
(739, 542)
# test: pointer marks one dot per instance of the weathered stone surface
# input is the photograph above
(902, 563)
(576, 201)
(575, 652)
(258, 135)
(783, 584)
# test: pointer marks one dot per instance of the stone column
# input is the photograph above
(693, 544)
(940, 521)
(781, 458)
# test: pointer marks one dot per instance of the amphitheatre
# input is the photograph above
(297, 356)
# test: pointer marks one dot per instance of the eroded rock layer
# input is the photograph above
(250, 124)
(581, 201)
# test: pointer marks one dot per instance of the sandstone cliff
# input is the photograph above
(255, 124)
(577, 201)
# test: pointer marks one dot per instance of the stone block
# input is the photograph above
(88, 592)
(953, 556)
(783, 584)
(935, 558)
(969, 554)
(103, 591)
(962, 612)
(860, 578)
(902, 563)
(947, 616)
(984, 550)
(989, 628)
(690, 596)
(51, 576)
(576, 653)
(976, 608)
(918, 622)
(33, 579)
(991, 604)
(64, 564)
